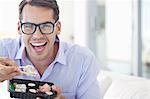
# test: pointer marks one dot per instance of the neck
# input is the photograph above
(41, 65)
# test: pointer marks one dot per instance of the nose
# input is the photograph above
(37, 33)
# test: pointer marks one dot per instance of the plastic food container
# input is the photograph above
(28, 89)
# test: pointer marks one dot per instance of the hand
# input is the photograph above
(58, 90)
(8, 69)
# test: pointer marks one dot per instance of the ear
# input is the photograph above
(58, 27)
(19, 32)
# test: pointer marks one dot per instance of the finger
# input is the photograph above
(57, 89)
(5, 71)
(7, 61)
(10, 62)
(2, 60)
(9, 76)
(12, 75)
(15, 72)
(60, 97)
(12, 69)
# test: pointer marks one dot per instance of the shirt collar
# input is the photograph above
(60, 57)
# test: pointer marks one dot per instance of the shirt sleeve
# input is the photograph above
(9, 47)
(88, 87)
(2, 49)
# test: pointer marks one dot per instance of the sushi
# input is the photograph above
(29, 89)
(28, 70)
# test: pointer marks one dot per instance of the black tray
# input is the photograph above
(27, 94)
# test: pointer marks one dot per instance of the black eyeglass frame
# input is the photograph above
(37, 25)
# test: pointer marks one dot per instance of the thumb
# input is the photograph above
(12, 69)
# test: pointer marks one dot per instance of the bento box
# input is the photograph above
(29, 89)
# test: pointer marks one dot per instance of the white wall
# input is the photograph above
(66, 18)
(8, 16)
(80, 25)
(119, 29)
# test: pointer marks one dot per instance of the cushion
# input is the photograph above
(104, 82)
(129, 89)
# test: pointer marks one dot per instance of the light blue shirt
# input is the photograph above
(74, 69)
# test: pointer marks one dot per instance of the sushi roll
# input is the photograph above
(31, 84)
(49, 93)
(33, 90)
(45, 88)
(20, 88)
(28, 70)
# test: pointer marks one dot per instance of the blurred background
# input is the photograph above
(117, 31)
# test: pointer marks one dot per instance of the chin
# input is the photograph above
(40, 57)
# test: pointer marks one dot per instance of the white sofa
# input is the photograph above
(117, 86)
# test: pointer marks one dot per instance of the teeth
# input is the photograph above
(37, 44)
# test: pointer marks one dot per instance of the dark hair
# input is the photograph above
(40, 3)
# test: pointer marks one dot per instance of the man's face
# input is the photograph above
(39, 46)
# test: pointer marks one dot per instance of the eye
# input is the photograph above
(46, 26)
(28, 26)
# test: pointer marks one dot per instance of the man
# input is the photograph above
(71, 67)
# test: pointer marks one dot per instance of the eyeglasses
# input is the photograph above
(30, 28)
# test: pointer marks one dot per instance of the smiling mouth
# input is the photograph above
(38, 47)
